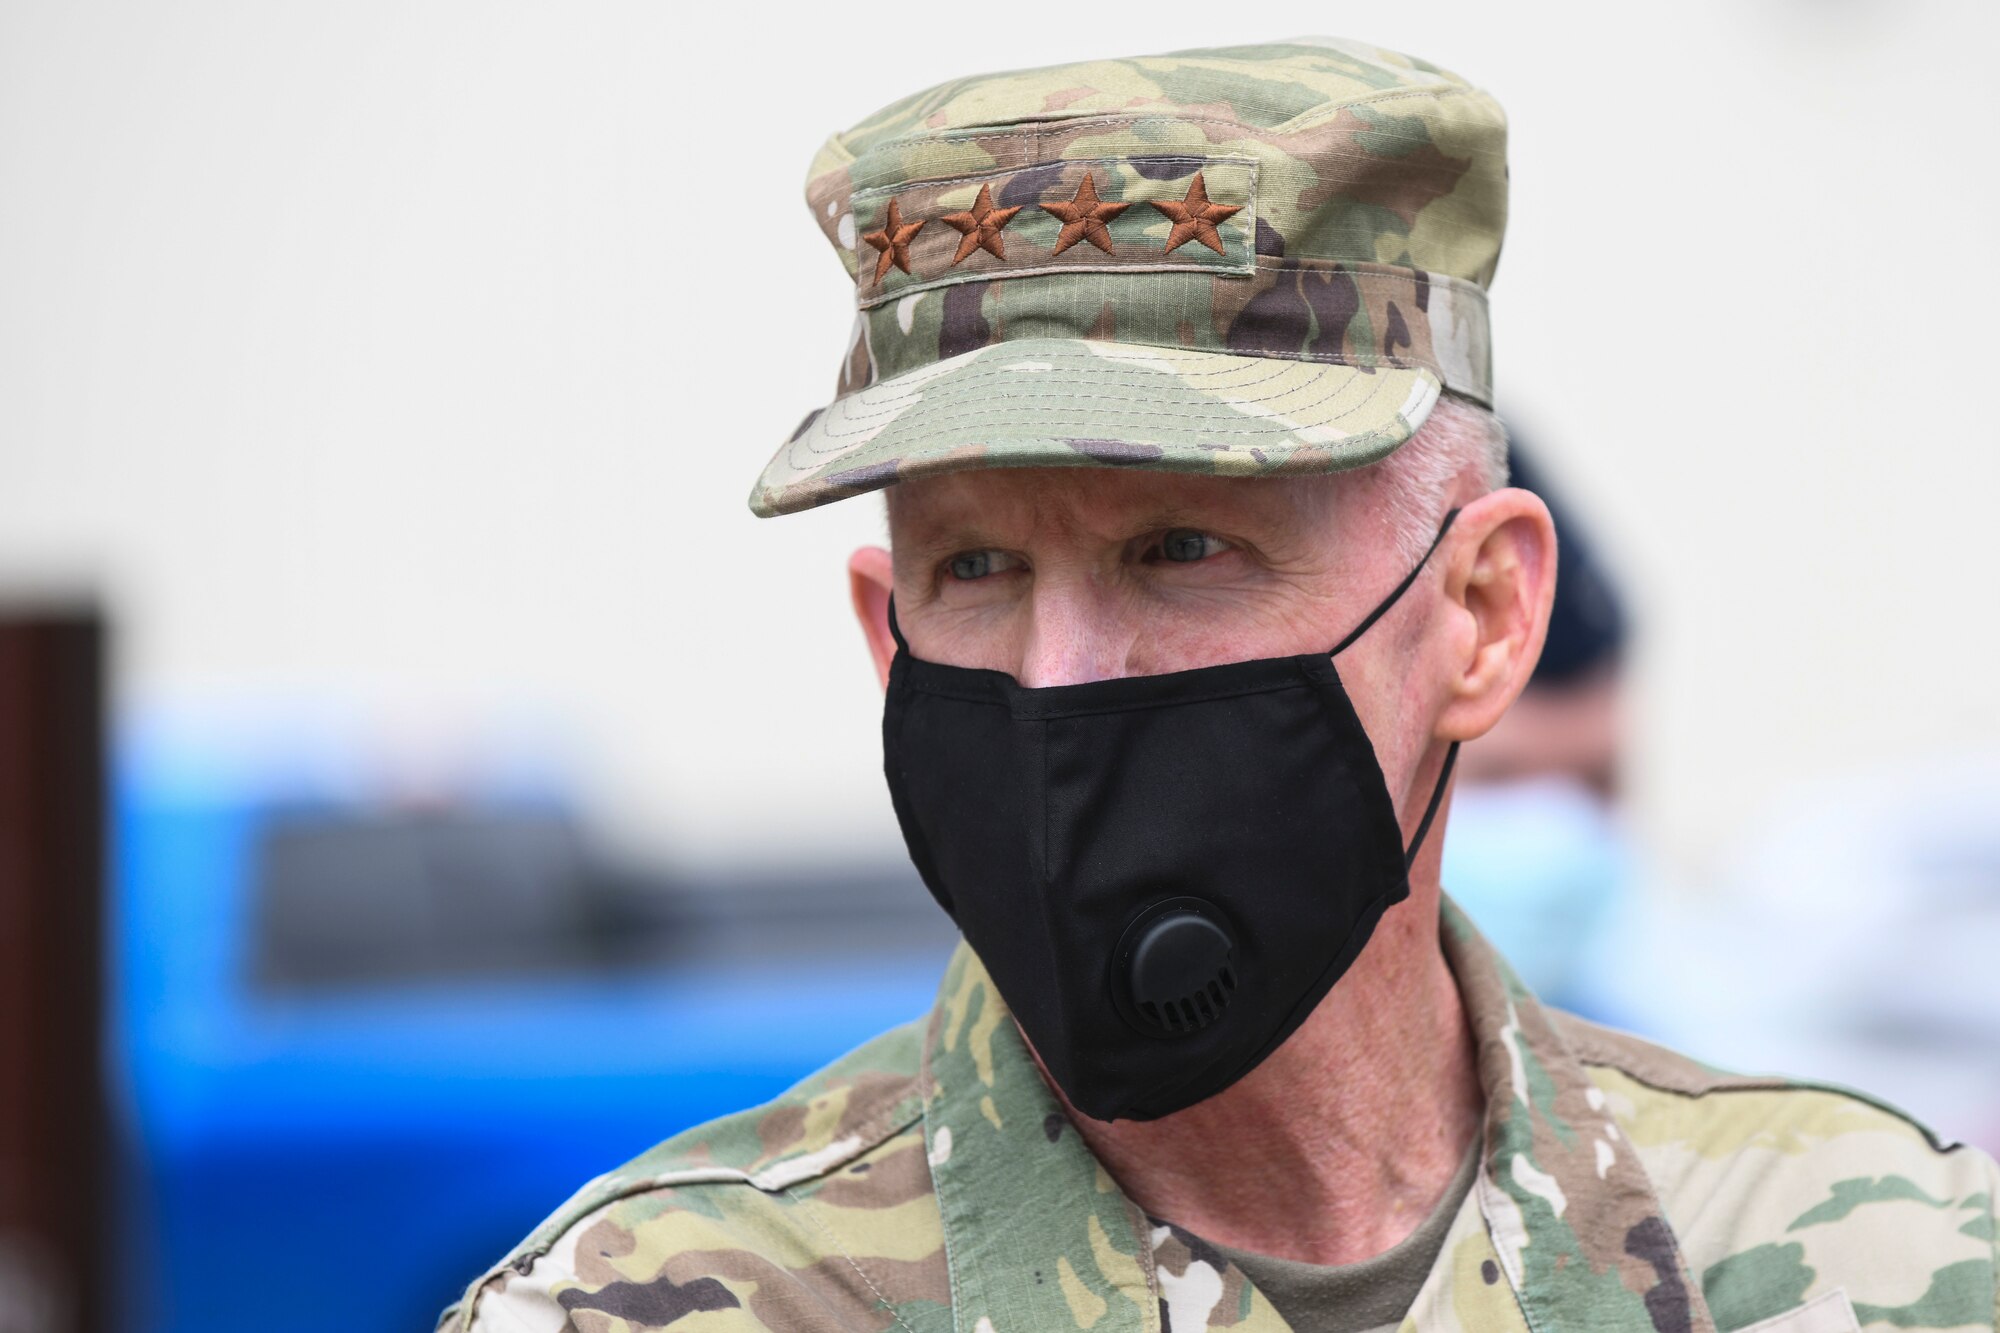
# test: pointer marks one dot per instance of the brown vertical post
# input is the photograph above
(53, 1231)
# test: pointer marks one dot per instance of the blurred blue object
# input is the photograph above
(345, 1158)
(1539, 864)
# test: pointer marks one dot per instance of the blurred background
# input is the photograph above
(423, 785)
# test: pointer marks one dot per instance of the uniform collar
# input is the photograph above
(1038, 1235)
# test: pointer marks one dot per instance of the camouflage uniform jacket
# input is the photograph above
(929, 1182)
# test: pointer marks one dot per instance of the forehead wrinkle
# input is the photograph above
(937, 518)
(1237, 499)
(998, 506)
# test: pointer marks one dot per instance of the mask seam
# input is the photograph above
(1372, 911)
(1045, 878)
(1210, 696)
(1372, 914)
(1086, 710)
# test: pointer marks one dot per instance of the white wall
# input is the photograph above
(405, 366)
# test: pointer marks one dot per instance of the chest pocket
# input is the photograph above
(1828, 1313)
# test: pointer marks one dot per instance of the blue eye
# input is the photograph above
(971, 566)
(1184, 546)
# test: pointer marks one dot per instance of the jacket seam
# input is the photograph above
(1727, 1083)
(1149, 1267)
(806, 1211)
(905, 1111)
(944, 1221)
(1564, 1041)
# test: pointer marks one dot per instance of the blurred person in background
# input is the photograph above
(1202, 569)
(1539, 856)
(1567, 721)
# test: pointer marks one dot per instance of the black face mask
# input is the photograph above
(1163, 874)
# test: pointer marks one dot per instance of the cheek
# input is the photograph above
(1197, 636)
(1181, 643)
(1391, 701)
(986, 637)
(1206, 626)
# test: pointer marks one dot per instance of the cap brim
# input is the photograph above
(1062, 402)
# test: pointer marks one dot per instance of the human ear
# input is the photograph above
(870, 580)
(1499, 585)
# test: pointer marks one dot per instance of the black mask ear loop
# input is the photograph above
(895, 630)
(1451, 754)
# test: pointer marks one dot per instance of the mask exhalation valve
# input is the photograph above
(1178, 968)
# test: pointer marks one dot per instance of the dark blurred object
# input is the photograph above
(344, 897)
(1568, 723)
(52, 1121)
(1587, 624)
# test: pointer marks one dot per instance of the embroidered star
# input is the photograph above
(1084, 216)
(979, 229)
(893, 241)
(1195, 218)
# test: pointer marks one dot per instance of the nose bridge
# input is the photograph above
(1073, 637)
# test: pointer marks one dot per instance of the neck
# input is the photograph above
(1339, 1144)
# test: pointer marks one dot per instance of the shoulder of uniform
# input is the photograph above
(1659, 1071)
(825, 1122)
(1782, 1188)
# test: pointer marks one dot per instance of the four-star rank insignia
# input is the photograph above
(1194, 218)
(1084, 216)
(979, 227)
(893, 241)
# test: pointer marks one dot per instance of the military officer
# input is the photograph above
(1176, 373)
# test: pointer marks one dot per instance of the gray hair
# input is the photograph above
(1413, 486)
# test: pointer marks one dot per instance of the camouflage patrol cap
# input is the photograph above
(1243, 261)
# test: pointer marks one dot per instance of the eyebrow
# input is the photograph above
(968, 534)
(934, 550)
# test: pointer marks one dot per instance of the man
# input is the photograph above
(1201, 570)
